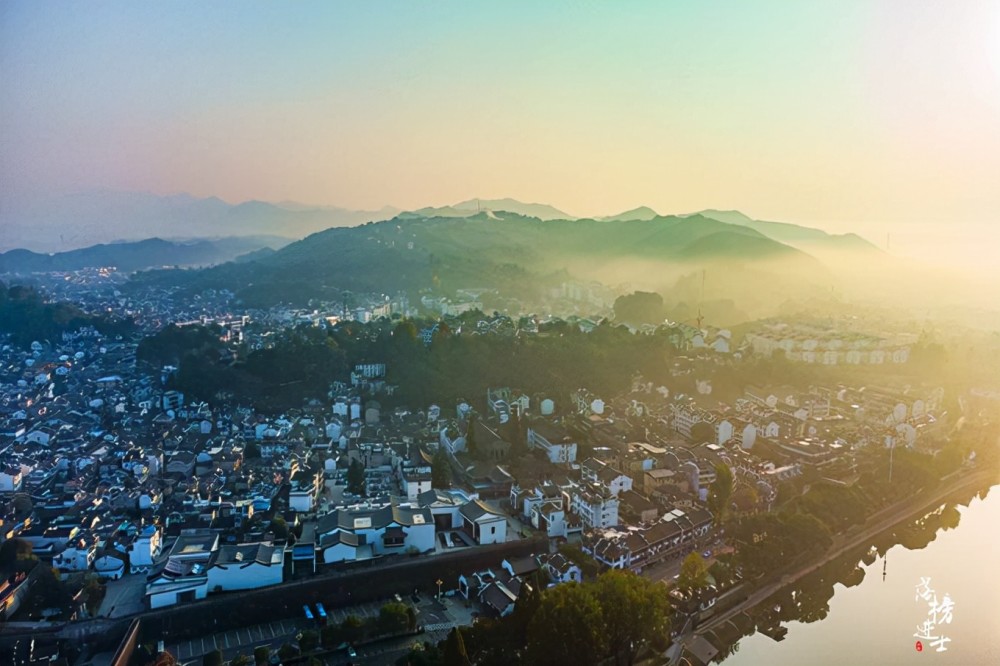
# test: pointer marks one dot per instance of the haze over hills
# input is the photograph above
(520, 256)
(139, 255)
(73, 221)
(714, 254)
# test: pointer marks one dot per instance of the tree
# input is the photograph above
(568, 622)
(745, 498)
(525, 608)
(240, 660)
(641, 307)
(356, 478)
(279, 527)
(251, 450)
(392, 618)
(287, 652)
(22, 504)
(720, 492)
(353, 628)
(95, 591)
(440, 469)
(13, 550)
(694, 572)
(261, 655)
(308, 641)
(213, 658)
(635, 611)
(331, 636)
(454, 650)
(421, 654)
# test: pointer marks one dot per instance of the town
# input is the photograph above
(125, 494)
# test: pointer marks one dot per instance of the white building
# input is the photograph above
(145, 549)
(78, 556)
(595, 505)
(348, 535)
(245, 567)
(484, 524)
(553, 440)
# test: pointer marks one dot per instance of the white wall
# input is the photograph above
(244, 576)
(492, 532)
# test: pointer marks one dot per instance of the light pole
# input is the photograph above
(439, 584)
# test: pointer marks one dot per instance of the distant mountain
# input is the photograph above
(541, 211)
(516, 254)
(809, 239)
(640, 213)
(472, 206)
(55, 224)
(149, 253)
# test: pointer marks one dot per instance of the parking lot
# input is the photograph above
(244, 640)
(239, 641)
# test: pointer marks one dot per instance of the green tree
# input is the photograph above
(454, 653)
(635, 612)
(720, 492)
(392, 618)
(353, 628)
(331, 636)
(641, 307)
(694, 572)
(287, 652)
(308, 641)
(356, 478)
(261, 655)
(279, 527)
(745, 498)
(421, 654)
(13, 550)
(568, 622)
(525, 608)
(440, 470)
(213, 658)
(240, 660)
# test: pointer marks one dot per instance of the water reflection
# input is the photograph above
(808, 600)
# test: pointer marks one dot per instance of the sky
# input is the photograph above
(852, 115)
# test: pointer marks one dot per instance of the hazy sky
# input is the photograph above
(859, 115)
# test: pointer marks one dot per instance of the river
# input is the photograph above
(869, 620)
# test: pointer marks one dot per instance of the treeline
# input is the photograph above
(27, 317)
(611, 619)
(804, 525)
(302, 362)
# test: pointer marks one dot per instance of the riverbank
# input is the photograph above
(877, 524)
